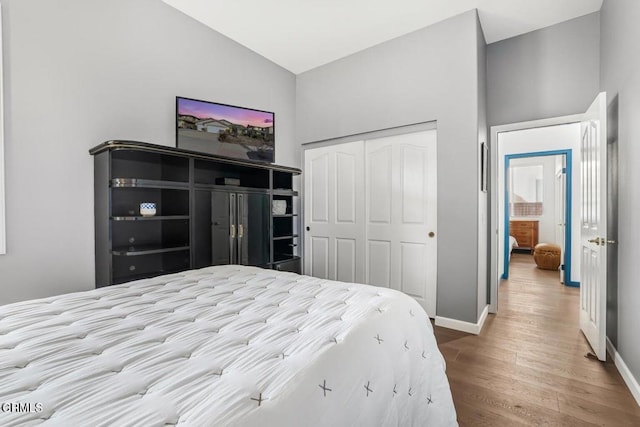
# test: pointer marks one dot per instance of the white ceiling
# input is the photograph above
(303, 34)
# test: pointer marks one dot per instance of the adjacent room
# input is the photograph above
(346, 213)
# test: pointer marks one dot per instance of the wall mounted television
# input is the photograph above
(225, 130)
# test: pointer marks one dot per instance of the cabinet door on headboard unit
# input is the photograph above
(240, 228)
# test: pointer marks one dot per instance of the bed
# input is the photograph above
(513, 243)
(225, 345)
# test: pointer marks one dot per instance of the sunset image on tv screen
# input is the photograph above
(225, 130)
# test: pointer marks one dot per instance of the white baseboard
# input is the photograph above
(626, 374)
(459, 325)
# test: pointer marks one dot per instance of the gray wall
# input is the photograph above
(546, 73)
(483, 206)
(79, 72)
(430, 74)
(620, 78)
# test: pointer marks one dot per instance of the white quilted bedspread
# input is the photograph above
(225, 345)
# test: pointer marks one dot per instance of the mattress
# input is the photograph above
(226, 345)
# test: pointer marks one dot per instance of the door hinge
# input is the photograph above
(562, 267)
(564, 170)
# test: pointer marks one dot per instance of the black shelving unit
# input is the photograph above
(285, 226)
(198, 221)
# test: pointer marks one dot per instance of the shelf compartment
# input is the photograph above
(149, 166)
(125, 201)
(147, 183)
(292, 265)
(147, 250)
(128, 268)
(283, 226)
(286, 198)
(206, 172)
(149, 218)
(290, 257)
(284, 257)
(284, 248)
(280, 192)
(141, 233)
(291, 236)
(231, 188)
(282, 180)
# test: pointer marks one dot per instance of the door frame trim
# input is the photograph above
(494, 277)
(568, 211)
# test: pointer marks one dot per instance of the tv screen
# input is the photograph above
(225, 130)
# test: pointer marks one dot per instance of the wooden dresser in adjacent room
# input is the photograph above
(525, 233)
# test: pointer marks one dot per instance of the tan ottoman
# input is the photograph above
(547, 256)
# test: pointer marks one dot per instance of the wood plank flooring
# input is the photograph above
(528, 365)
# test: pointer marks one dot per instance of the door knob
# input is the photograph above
(602, 241)
(308, 228)
(432, 234)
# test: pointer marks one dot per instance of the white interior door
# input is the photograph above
(334, 212)
(593, 266)
(401, 215)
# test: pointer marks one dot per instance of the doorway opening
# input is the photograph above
(585, 134)
(523, 142)
(537, 192)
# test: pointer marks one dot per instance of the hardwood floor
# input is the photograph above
(528, 365)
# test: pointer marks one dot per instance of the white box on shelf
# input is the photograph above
(279, 207)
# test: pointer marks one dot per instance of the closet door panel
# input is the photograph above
(379, 185)
(379, 262)
(401, 211)
(412, 274)
(346, 188)
(346, 260)
(319, 194)
(320, 257)
(334, 212)
(413, 191)
(370, 213)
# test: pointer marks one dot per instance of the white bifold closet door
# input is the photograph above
(334, 212)
(370, 214)
(401, 248)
